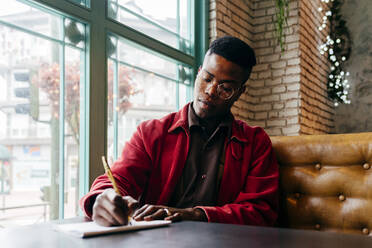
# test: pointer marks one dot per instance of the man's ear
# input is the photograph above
(241, 91)
(199, 69)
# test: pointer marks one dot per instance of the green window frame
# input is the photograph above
(99, 26)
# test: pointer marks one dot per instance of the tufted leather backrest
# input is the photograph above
(326, 182)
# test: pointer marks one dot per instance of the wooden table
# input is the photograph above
(182, 234)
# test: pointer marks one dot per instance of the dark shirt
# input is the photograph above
(199, 183)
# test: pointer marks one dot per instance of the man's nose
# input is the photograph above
(211, 89)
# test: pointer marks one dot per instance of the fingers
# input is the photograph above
(174, 217)
(150, 212)
(143, 211)
(157, 215)
(131, 203)
(104, 218)
(157, 212)
(110, 209)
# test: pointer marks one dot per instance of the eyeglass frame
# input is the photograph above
(219, 86)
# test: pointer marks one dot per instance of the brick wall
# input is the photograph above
(286, 94)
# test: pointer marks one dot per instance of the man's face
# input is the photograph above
(216, 70)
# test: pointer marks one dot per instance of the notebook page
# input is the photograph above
(88, 229)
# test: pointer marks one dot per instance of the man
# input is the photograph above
(199, 163)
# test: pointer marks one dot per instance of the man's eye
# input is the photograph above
(208, 80)
(227, 89)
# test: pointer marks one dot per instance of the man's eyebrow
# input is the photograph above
(208, 72)
(223, 81)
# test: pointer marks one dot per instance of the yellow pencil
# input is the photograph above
(112, 179)
(109, 175)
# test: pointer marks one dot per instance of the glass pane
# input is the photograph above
(33, 69)
(170, 24)
(31, 19)
(139, 91)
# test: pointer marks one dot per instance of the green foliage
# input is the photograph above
(282, 13)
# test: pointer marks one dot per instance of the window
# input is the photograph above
(75, 83)
(142, 85)
(42, 70)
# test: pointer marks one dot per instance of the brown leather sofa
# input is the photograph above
(326, 182)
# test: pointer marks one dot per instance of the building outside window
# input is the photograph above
(51, 59)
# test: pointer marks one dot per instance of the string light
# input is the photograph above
(337, 85)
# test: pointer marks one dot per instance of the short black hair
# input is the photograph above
(234, 50)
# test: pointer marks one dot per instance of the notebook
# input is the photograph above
(88, 229)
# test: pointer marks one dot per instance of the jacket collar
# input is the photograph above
(237, 131)
(181, 117)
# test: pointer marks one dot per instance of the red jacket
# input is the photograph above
(152, 162)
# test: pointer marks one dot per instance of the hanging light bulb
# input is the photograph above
(336, 82)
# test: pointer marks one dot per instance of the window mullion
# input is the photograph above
(61, 116)
(201, 41)
(98, 89)
(84, 121)
(115, 106)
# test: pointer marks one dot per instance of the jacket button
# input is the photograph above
(365, 231)
(318, 167)
(317, 227)
(366, 166)
(341, 197)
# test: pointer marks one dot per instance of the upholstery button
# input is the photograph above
(365, 231)
(203, 176)
(341, 197)
(366, 166)
(318, 167)
(317, 227)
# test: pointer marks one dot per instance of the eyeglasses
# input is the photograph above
(224, 90)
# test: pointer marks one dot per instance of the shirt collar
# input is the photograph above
(180, 120)
(194, 120)
(192, 117)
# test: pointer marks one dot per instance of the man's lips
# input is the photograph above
(206, 103)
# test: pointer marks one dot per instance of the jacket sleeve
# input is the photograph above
(257, 203)
(131, 173)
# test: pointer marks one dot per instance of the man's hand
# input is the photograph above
(111, 209)
(158, 212)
